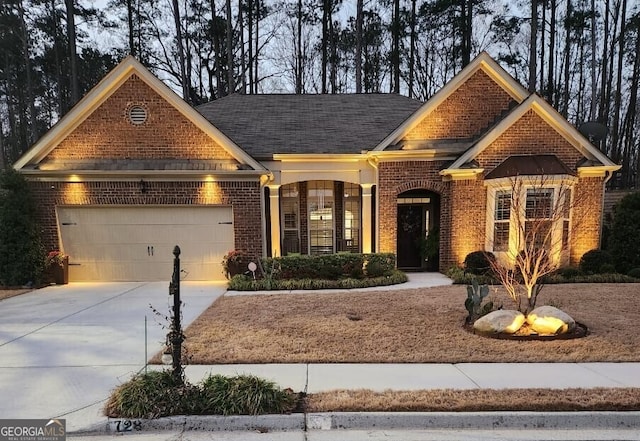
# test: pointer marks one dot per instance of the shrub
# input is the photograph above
(635, 273)
(593, 260)
(625, 233)
(461, 277)
(244, 395)
(22, 255)
(244, 283)
(607, 268)
(329, 267)
(479, 262)
(157, 393)
(152, 395)
(569, 272)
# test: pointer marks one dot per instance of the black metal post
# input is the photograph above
(175, 335)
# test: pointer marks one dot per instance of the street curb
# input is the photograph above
(474, 420)
(377, 420)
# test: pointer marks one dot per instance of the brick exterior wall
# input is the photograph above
(107, 133)
(244, 197)
(530, 135)
(397, 177)
(586, 217)
(468, 220)
(466, 112)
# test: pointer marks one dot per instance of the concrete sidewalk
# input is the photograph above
(380, 377)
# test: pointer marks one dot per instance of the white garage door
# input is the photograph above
(136, 243)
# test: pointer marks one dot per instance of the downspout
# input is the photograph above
(608, 176)
(264, 180)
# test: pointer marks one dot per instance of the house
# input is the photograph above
(132, 170)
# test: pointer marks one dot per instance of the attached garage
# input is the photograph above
(135, 243)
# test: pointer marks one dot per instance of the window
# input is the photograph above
(320, 200)
(351, 218)
(520, 213)
(290, 209)
(502, 216)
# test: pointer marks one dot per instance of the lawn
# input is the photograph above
(406, 326)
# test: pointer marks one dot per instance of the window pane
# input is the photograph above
(501, 236)
(351, 218)
(538, 232)
(503, 206)
(539, 203)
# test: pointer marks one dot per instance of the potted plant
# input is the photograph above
(235, 262)
(57, 266)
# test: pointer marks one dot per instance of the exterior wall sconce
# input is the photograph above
(143, 186)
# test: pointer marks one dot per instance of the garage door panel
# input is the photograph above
(136, 243)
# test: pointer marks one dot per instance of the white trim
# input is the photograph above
(550, 116)
(105, 88)
(482, 62)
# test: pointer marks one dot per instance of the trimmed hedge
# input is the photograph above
(245, 283)
(329, 266)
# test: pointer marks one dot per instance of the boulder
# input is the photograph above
(550, 320)
(501, 321)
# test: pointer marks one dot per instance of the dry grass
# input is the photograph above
(7, 293)
(409, 326)
(476, 400)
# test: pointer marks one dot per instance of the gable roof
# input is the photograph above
(551, 117)
(482, 62)
(270, 124)
(102, 91)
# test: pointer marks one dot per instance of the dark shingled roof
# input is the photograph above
(266, 124)
(529, 165)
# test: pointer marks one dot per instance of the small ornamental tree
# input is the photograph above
(538, 210)
(21, 251)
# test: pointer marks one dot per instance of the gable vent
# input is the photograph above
(137, 115)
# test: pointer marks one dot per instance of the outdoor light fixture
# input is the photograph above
(167, 358)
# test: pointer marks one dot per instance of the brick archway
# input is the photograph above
(424, 184)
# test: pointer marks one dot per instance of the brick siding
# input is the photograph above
(395, 178)
(469, 110)
(586, 217)
(107, 133)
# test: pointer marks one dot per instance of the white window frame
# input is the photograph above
(561, 185)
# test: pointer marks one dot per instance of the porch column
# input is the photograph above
(367, 223)
(274, 215)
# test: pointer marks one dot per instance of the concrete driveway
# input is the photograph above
(64, 348)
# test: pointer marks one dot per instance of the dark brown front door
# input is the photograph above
(411, 231)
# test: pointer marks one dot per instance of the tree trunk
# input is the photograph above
(617, 102)
(181, 60)
(31, 132)
(71, 35)
(412, 50)
(533, 46)
(567, 55)
(358, 63)
(467, 30)
(230, 77)
(594, 82)
(243, 64)
(250, 16)
(395, 56)
(323, 43)
(132, 49)
(552, 56)
(256, 52)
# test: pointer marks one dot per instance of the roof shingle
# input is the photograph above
(263, 125)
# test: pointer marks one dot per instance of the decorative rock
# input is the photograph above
(501, 321)
(550, 320)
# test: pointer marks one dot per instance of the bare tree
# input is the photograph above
(535, 240)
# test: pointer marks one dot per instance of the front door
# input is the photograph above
(411, 233)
